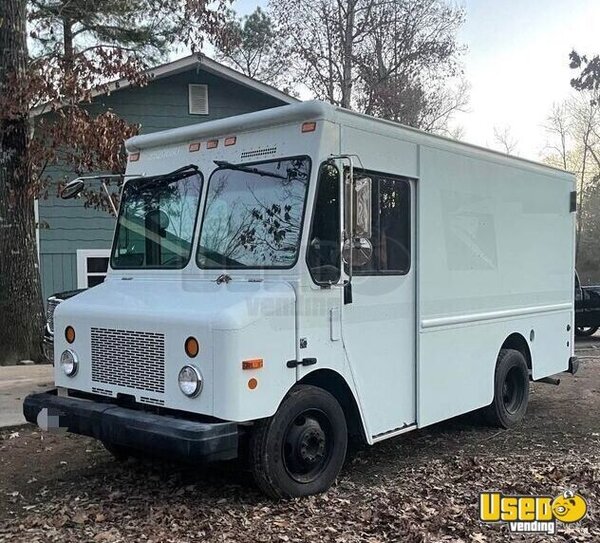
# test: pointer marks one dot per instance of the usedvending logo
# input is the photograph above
(537, 514)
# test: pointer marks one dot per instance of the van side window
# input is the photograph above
(390, 227)
(323, 256)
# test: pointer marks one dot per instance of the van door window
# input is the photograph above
(391, 227)
(323, 254)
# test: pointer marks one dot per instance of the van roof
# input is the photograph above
(308, 111)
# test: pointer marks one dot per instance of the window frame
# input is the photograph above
(191, 86)
(161, 268)
(312, 215)
(82, 265)
(407, 180)
(302, 218)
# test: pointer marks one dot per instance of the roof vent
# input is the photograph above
(198, 99)
(258, 153)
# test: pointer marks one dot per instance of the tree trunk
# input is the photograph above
(21, 308)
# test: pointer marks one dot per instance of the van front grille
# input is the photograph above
(129, 359)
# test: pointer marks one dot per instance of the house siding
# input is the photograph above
(66, 225)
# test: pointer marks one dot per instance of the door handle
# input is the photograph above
(303, 362)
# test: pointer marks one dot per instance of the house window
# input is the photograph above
(92, 265)
(198, 99)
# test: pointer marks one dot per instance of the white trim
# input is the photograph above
(36, 215)
(217, 68)
(493, 315)
(185, 64)
(197, 87)
(82, 272)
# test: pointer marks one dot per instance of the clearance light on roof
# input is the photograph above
(309, 127)
(134, 157)
(193, 147)
(230, 141)
(212, 144)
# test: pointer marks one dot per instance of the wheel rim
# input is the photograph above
(307, 445)
(512, 391)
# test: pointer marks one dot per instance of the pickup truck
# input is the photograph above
(587, 309)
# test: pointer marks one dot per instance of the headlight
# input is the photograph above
(190, 381)
(69, 362)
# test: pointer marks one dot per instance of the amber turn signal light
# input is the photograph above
(192, 347)
(70, 334)
(253, 364)
(252, 383)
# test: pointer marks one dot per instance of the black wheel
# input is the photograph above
(301, 449)
(511, 390)
(585, 331)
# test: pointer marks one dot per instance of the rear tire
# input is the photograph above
(511, 390)
(300, 450)
(586, 331)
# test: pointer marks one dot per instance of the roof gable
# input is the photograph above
(188, 63)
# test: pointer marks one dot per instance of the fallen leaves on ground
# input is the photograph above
(420, 488)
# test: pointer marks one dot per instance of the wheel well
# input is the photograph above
(336, 385)
(517, 342)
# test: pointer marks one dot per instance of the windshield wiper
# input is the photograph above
(249, 169)
(180, 173)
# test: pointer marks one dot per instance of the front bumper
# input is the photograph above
(157, 435)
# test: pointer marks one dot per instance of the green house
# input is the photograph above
(74, 241)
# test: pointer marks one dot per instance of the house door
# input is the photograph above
(378, 327)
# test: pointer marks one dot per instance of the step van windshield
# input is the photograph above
(157, 221)
(253, 215)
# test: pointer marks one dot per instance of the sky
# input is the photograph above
(517, 63)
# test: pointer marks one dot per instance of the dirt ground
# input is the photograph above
(419, 487)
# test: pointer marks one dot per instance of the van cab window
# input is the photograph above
(156, 221)
(253, 215)
(390, 227)
(323, 254)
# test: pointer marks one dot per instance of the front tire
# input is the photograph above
(300, 450)
(585, 331)
(511, 390)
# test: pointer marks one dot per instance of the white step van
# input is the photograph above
(283, 280)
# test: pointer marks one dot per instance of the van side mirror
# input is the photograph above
(72, 189)
(362, 220)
